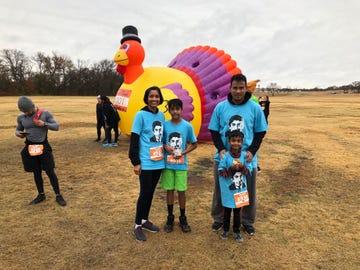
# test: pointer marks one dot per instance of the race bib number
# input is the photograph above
(35, 149)
(156, 153)
(172, 160)
(241, 199)
(122, 99)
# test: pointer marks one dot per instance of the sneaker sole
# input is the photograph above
(152, 231)
(249, 233)
(139, 240)
(216, 230)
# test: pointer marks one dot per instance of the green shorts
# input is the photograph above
(174, 180)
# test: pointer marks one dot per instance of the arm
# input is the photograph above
(216, 137)
(49, 122)
(134, 149)
(255, 145)
(19, 128)
(189, 148)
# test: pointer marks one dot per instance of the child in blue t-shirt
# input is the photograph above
(233, 170)
(180, 140)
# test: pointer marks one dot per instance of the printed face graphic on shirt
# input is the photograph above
(175, 140)
(157, 131)
(237, 181)
(236, 122)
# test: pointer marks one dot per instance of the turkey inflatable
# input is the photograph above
(199, 76)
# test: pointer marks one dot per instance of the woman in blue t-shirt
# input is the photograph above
(147, 156)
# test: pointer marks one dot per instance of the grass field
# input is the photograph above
(308, 196)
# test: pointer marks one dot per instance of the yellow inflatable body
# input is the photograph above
(129, 99)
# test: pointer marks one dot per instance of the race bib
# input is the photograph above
(35, 149)
(172, 160)
(156, 153)
(122, 99)
(241, 199)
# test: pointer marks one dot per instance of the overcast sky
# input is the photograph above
(303, 43)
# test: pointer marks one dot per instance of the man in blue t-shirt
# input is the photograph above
(237, 112)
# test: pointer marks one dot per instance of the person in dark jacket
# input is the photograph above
(111, 120)
(99, 118)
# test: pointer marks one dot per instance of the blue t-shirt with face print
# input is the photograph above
(150, 127)
(247, 117)
(233, 184)
(177, 136)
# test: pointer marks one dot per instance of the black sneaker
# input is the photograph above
(224, 235)
(169, 224)
(238, 237)
(139, 234)
(150, 227)
(97, 140)
(60, 200)
(184, 225)
(39, 198)
(249, 229)
(216, 226)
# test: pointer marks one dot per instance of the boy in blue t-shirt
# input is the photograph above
(180, 140)
(233, 171)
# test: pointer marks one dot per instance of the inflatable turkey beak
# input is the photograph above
(121, 58)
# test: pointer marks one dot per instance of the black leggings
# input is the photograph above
(40, 183)
(227, 217)
(148, 182)
(108, 134)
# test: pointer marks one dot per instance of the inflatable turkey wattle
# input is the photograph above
(199, 76)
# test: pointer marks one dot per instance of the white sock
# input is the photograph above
(137, 226)
(143, 221)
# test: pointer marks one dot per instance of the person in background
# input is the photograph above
(147, 157)
(180, 140)
(99, 118)
(265, 106)
(111, 120)
(33, 125)
(254, 129)
(233, 171)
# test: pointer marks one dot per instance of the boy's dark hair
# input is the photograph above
(147, 92)
(235, 133)
(155, 124)
(174, 134)
(238, 78)
(175, 103)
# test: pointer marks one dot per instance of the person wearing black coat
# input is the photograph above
(99, 118)
(111, 120)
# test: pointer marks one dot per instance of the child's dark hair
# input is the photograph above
(147, 92)
(235, 133)
(175, 103)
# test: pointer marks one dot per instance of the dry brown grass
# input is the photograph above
(308, 196)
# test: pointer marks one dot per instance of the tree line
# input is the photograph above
(55, 74)
(58, 75)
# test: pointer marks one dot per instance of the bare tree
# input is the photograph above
(18, 68)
